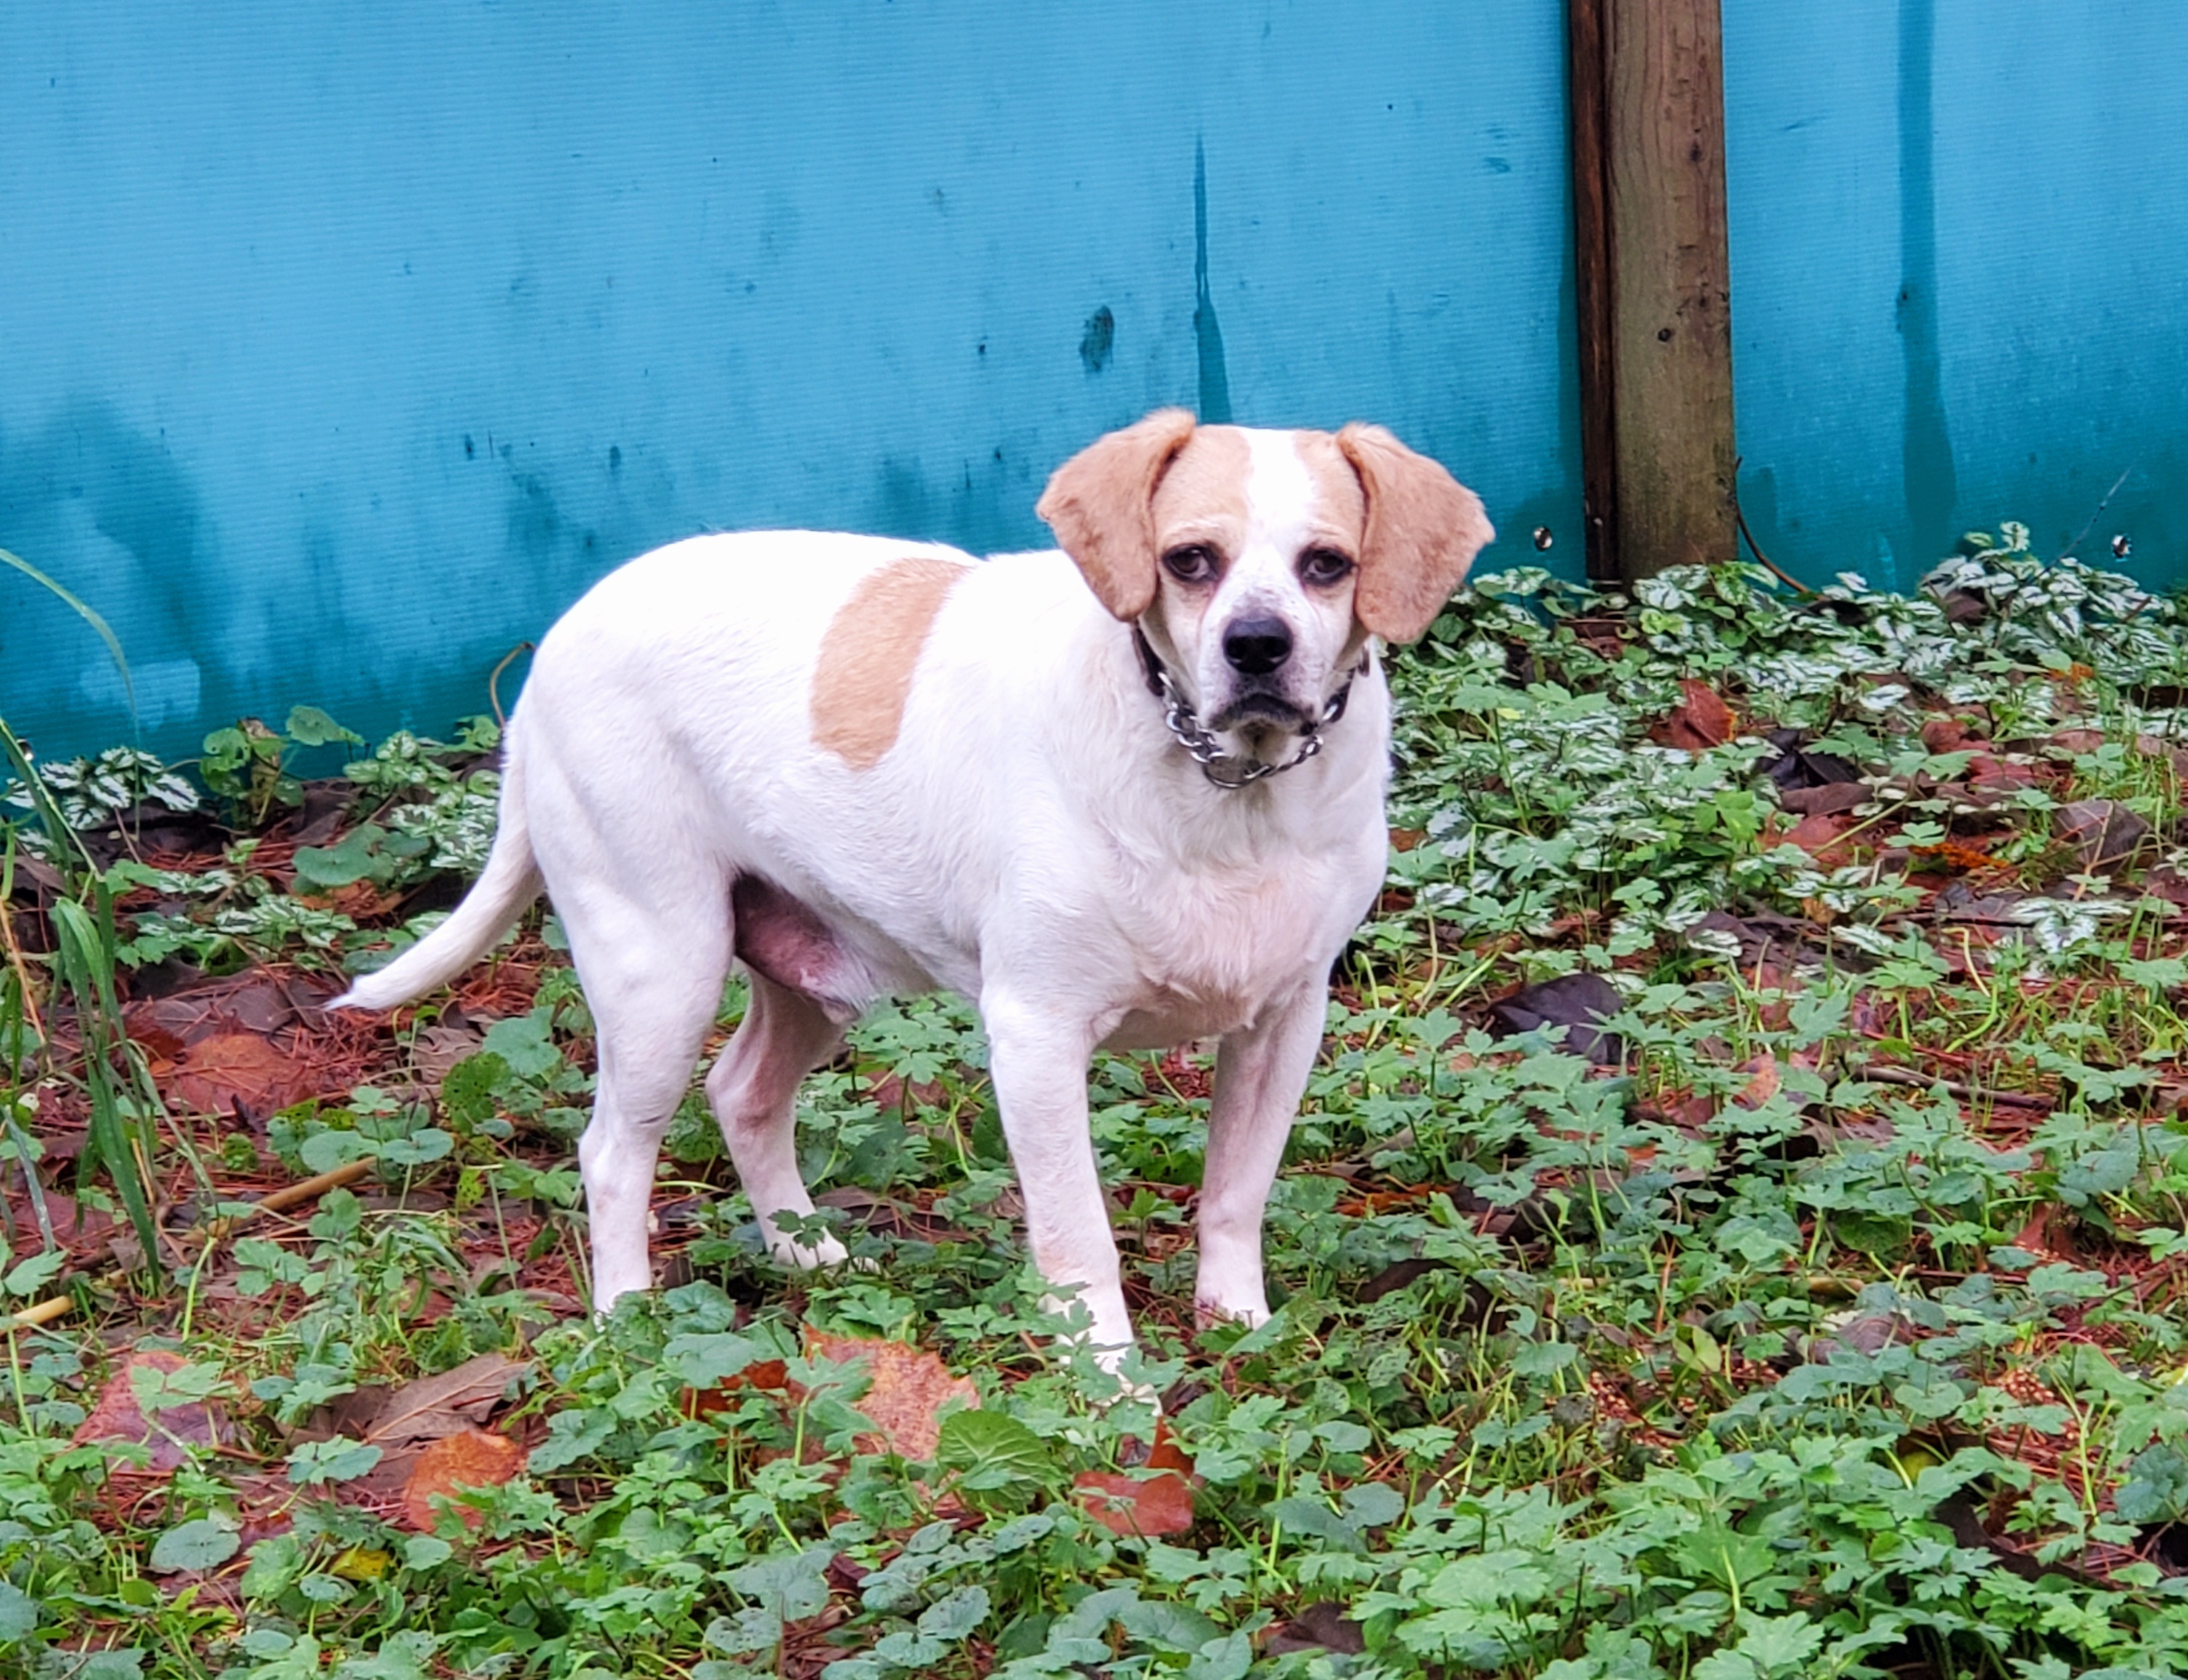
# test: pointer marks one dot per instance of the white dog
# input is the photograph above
(1128, 794)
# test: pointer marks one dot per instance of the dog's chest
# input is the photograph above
(1210, 948)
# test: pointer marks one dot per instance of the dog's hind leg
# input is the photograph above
(754, 1087)
(653, 980)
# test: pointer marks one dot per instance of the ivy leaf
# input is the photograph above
(341, 1459)
(200, 1544)
(998, 1462)
(308, 726)
(955, 1617)
(18, 1613)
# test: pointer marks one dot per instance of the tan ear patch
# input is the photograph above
(1423, 529)
(1101, 506)
(868, 656)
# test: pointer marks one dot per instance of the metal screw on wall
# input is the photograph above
(2122, 546)
(1542, 538)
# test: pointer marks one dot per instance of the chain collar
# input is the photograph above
(1205, 749)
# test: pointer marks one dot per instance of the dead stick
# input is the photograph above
(305, 1191)
(47, 1311)
(44, 1312)
(1909, 1076)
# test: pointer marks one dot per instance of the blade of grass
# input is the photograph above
(84, 962)
(89, 616)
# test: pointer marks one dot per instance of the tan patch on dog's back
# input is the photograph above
(864, 675)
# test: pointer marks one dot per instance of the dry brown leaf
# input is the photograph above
(433, 1408)
(1820, 837)
(214, 1074)
(909, 1388)
(771, 1374)
(472, 1458)
(1157, 1502)
(1701, 719)
(117, 1417)
(1762, 1084)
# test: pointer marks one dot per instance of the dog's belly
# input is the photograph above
(1174, 1019)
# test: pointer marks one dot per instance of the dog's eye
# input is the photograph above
(1193, 563)
(1324, 565)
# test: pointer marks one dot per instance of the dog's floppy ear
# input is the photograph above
(1101, 506)
(1423, 529)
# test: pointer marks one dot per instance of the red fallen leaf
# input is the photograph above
(1832, 798)
(214, 1074)
(1986, 772)
(1762, 1085)
(1701, 719)
(907, 1397)
(117, 1417)
(469, 1458)
(771, 1374)
(1158, 1502)
(1819, 836)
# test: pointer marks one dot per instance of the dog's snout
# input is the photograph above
(1257, 646)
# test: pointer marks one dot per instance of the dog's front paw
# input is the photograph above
(1208, 1314)
(809, 1254)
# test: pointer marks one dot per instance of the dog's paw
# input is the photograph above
(1207, 1314)
(815, 1254)
(818, 1253)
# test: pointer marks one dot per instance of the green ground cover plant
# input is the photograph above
(1736, 1228)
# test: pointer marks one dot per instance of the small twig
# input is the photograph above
(1909, 1076)
(493, 682)
(306, 1190)
(288, 1196)
(1740, 518)
(44, 1312)
(2090, 523)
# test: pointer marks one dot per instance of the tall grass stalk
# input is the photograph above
(84, 959)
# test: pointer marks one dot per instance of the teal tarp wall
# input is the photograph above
(1959, 278)
(339, 351)
(341, 348)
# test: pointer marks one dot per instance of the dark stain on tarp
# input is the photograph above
(134, 494)
(1095, 343)
(980, 505)
(1215, 378)
(1931, 484)
(545, 542)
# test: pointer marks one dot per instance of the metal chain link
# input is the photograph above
(1208, 753)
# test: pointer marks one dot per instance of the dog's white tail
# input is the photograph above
(509, 882)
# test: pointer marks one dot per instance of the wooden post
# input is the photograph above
(1654, 284)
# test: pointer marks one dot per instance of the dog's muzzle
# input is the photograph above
(1223, 769)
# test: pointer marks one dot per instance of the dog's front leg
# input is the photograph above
(1039, 1065)
(1261, 1072)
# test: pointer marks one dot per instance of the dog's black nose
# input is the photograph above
(1256, 646)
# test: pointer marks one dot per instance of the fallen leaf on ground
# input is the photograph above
(433, 1407)
(1157, 1502)
(1762, 1084)
(472, 1458)
(910, 1387)
(1701, 719)
(1819, 836)
(117, 1417)
(214, 1074)
(1322, 1626)
(405, 1422)
(1826, 798)
(2102, 832)
(1577, 1002)
(769, 1374)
